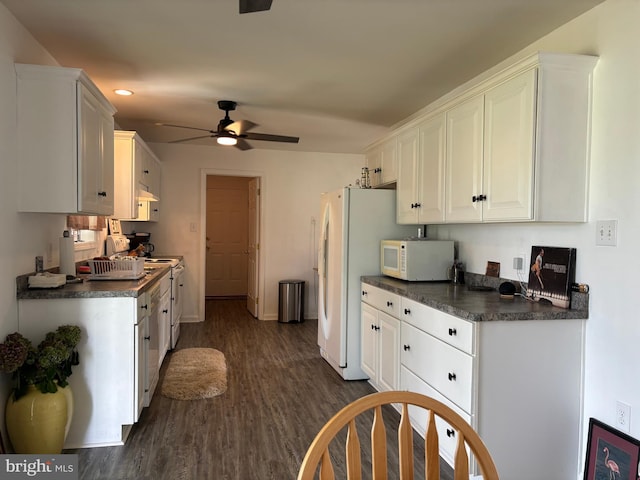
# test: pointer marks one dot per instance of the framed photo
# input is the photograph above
(610, 454)
(551, 273)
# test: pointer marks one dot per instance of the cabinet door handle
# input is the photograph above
(452, 376)
(373, 327)
(389, 304)
(407, 311)
(364, 293)
(102, 194)
(165, 311)
(145, 171)
(452, 332)
(478, 198)
(377, 328)
(407, 347)
(450, 433)
(148, 338)
(474, 199)
(145, 306)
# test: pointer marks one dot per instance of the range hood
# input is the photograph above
(146, 196)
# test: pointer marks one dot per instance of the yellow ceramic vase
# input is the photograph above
(36, 422)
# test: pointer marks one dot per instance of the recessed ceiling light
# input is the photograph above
(122, 91)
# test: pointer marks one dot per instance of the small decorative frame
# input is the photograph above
(610, 454)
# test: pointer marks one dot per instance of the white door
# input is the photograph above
(509, 149)
(407, 196)
(431, 170)
(332, 304)
(369, 340)
(253, 246)
(464, 161)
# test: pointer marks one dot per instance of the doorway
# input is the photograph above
(231, 238)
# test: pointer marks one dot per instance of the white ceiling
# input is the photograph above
(336, 73)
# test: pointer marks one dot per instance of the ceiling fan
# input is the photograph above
(249, 6)
(233, 133)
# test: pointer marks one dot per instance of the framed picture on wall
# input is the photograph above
(610, 454)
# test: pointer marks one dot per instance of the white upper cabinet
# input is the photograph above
(382, 162)
(490, 154)
(464, 161)
(65, 142)
(420, 187)
(137, 174)
(516, 150)
(509, 155)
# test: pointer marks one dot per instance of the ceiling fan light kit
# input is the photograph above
(230, 133)
(226, 141)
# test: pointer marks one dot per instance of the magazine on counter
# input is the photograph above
(552, 271)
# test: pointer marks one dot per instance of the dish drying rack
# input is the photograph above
(119, 268)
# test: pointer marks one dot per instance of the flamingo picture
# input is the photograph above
(611, 465)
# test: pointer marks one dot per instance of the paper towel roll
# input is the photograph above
(67, 255)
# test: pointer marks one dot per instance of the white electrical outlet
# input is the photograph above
(518, 263)
(623, 417)
(607, 233)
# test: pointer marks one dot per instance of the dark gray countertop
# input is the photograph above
(478, 306)
(92, 288)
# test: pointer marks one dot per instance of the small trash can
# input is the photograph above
(291, 301)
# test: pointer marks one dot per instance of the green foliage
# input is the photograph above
(47, 366)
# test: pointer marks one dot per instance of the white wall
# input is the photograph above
(291, 187)
(613, 330)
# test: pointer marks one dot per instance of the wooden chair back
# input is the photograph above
(318, 458)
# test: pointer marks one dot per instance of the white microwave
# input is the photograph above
(416, 260)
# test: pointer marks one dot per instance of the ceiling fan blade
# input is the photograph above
(182, 126)
(240, 126)
(249, 6)
(271, 138)
(191, 138)
(243, 145)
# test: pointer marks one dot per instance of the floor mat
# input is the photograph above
(195, 373)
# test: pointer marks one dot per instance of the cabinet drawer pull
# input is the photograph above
(452, 376)
(145, 306)
(102, 194)
(364, 292)
(450, 433)
(407, 311)
(389, 304)
(452, 332)
(165, 311)
(407, 347)
(148, 338)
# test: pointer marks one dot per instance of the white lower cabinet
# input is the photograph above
(380, 339)
(518, 383)
(109, 383)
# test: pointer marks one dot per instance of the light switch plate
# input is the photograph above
(607, 232)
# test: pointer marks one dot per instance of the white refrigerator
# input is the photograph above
(354, 221)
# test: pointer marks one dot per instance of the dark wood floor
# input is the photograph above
(280, 393)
